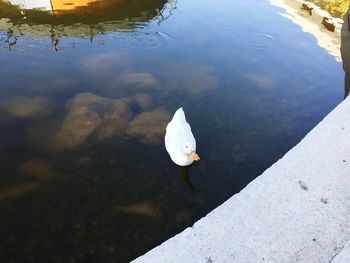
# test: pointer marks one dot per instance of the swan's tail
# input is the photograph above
(180, 115)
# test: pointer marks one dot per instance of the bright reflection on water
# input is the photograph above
(87, 88)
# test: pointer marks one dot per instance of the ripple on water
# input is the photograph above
(145, 38)
(261, 41)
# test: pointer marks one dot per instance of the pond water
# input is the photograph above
(87, 90)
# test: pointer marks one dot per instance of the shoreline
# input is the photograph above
(312, 24)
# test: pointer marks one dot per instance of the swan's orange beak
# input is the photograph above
(195, 156)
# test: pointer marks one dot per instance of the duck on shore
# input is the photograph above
(330, 26)
(307, 8)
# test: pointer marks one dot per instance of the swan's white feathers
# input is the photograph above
(178, 134)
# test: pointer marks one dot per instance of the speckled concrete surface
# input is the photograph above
(343, 256)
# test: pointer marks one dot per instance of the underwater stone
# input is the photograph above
(79, 123)
(140, 80)
(90, 113)
(88, 116)
(145, 209)
(26, 107)
(40, 169)
(19, 190)
(144, 101)
(149, 127)
(191, 77)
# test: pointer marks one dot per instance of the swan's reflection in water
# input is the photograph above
(184, 174)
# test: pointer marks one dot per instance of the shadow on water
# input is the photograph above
(345, 52)
(184, 173)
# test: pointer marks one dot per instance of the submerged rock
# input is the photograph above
(129, 83)
(84, 161)
(149, 127)
(144, 101)
(183, 216)
(93, 114)
(263, 81)
(40, 169)
(79, 123)
(99, 118)
(88, 115)
(43, 135)
(190, 77)
(50, 86)
(140, 80)
(145, 209)
(104, 65)
(116, 121)
(26, 107)
(83, 99)
(18, 190)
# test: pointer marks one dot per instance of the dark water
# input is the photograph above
(87, 91)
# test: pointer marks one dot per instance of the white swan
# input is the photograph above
(179, 140)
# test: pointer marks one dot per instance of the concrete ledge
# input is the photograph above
(296, 211)
(344, 255)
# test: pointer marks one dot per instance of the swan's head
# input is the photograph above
(190, 150)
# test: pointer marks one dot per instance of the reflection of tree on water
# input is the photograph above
(105, 16)
(345, 52)
(55, 38)
(162, 15)
(11, 39)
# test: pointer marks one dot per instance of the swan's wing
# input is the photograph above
(173, 143)
(173, 135)
(178, 132)
(181, 132)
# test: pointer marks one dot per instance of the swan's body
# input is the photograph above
(179, 140)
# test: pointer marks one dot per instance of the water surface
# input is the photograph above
(86, 92)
